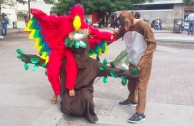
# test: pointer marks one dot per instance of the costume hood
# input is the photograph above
(126, 18)
(77, 15)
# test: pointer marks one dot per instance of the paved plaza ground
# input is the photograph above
(25, 95)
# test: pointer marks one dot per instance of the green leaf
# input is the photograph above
(34, 60)
(76, 45)
(97, 58)
(44, 65)
(113, 74)
(67, 42)
(102, 68)
(134, 70)
(26, 66)
(104, 61)
(24, 59)
(35, 67)
(123, 79)
(112, 64)
(19, 51)
(71, 43)
(19, 57)
(105, 79)
(123, 83)
(82, 44)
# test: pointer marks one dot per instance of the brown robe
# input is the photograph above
(88, 70)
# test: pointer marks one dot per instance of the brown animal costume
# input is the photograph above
(88, 70)
(140, 44)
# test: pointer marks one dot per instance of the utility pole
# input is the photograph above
(29, 16)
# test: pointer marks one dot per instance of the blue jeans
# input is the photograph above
(4, 29)
(191, 27)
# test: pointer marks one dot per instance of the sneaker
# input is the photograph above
(126, 102)
(136, 118)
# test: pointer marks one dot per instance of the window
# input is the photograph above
(20, 17)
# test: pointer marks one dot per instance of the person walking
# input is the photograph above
(140, 45)
(191, 24)
(5, 22)
(1, 27)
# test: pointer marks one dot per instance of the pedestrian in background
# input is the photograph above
(4, 23)
(52, 13)
(1, 27)
(191, 24)
(137, 15)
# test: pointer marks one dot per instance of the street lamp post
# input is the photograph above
(29, 16)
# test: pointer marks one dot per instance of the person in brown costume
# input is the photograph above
(140, 45)
(82, 104)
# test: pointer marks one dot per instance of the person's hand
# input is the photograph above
(115, 30)
(71, 92)
(112, 37)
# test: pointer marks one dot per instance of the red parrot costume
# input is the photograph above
(55, 30)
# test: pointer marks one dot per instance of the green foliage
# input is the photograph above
(188, 2)
(12, 2)
(63, 6)
(50, 1)
(101, 6)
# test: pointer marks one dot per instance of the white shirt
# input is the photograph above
(191, 17)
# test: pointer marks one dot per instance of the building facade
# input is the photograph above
(166, 10)
(18, 14)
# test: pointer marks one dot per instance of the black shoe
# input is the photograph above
(126, 102)
(136, 118)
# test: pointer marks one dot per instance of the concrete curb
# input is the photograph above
(173, 40)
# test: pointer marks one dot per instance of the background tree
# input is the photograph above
(103, 7)
(188, 2)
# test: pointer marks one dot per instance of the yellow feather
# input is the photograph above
(43, 55)
(100, 52)
(47, 59)
(28, 26)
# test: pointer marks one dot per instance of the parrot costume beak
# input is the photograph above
(77, 22)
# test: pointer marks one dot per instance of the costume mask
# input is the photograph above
(125, 19)
(77, 15)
